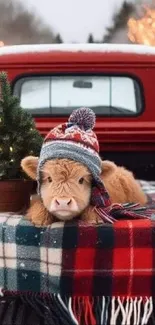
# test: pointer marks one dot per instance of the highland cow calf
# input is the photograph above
(66, 189)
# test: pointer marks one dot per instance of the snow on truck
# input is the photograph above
(116, 81)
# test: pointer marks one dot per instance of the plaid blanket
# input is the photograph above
(95, 275)
(78, 259)
(81, 260)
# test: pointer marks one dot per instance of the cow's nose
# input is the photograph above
(63, 203)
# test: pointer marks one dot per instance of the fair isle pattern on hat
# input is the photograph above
(73, 140)
(70, 132)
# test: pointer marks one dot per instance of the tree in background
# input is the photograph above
(120, 20)
(90, 39)
(18, 25)
(58, 39)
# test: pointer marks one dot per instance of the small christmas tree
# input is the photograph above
(18, 135)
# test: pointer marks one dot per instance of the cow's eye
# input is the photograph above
(49, 179)
(81, 180)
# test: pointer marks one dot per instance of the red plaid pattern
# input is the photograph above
(109, 260)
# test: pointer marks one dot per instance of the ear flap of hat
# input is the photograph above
(99, 197)
(29, 165)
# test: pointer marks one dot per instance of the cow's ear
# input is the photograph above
(108, 167)
(29, 165)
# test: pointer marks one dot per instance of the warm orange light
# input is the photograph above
(142, 31)
(1, 43)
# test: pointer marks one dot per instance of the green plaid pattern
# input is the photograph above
(30, 257)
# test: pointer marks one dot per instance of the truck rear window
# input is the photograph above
(59, 95)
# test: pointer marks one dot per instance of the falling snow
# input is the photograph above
(22, 265)
(24, 275)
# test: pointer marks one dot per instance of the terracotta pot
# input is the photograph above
(15, 195)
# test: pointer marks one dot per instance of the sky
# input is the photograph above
(75, 19)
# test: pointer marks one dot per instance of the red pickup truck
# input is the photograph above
(116, 81)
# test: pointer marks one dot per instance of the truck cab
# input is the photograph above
(116, 81)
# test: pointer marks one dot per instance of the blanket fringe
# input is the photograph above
(114, 311)
(127, 211)
(57, 309)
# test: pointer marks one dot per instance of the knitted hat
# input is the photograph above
(76, 140)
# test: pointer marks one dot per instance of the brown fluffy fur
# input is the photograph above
(65, 174)
(121, 184)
